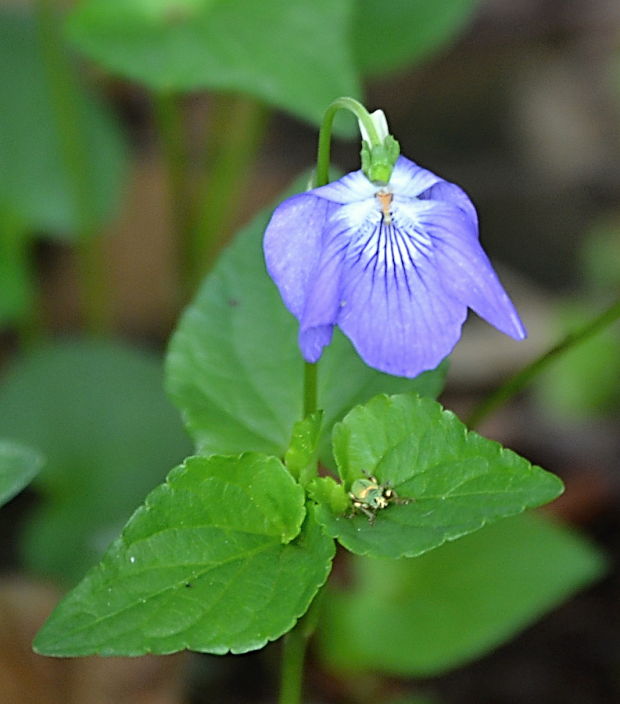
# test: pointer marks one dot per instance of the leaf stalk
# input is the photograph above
(521, 379)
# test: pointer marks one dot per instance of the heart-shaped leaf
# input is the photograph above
(420, 617)
(235, 371)
(214, 561)
(456, 481)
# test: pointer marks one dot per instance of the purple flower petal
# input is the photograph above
(313, 340)
(293, 244)
(393, 305)
(396, 268)
(454, 195)
(348, 189)
(465, 270)
(323, 295)
(409, 179)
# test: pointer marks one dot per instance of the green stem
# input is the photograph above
(296, 641)
(75, 152)
(293, 654)
(237, 128)
(325, 134)
(169, 117)
(517, 382)
(294, 646)
(321, 178)
(310, 390)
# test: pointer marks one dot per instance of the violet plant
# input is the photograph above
(306, 440)
(234, 550)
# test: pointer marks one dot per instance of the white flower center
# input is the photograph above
(385, 203)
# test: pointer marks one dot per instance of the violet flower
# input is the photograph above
(395, 267)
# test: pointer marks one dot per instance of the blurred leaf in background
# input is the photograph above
(34, 178)
(97, 412)
(292, 54)
(391, 35)
(584, 382)
(600, 256)
(422, 616)
(18, 466)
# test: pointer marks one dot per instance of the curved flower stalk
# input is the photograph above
(395, 265)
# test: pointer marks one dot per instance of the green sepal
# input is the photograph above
(378, 161)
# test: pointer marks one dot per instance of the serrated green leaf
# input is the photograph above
(290, 53)
(389, 35)
(301, 456)
(345, 381)
(234, 369)
(457, 481)
(97, 413)
(38, 185)
(200, 566)
(18, 466)
(420, 617)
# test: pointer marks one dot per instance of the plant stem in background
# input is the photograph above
(237, 127)
(68, 111)
(169, 117)
(18, 279)
(201, 220)
(517, 382)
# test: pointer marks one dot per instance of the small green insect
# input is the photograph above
(370, 496)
